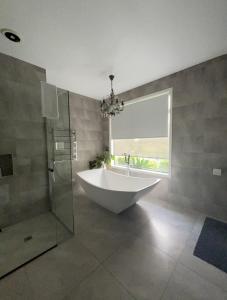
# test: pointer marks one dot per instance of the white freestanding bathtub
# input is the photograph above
(114, 191)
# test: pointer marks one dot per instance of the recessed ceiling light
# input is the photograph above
(10, 35)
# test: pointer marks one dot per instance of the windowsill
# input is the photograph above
(134, 170)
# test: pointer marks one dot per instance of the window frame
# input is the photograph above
(169, 93)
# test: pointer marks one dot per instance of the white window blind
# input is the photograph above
(142, 119)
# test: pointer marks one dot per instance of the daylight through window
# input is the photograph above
(143, 131)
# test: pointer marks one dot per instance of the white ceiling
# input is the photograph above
(80, 42)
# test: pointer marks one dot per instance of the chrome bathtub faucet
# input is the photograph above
(127, 161)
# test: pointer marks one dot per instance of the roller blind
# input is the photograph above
(143, 119)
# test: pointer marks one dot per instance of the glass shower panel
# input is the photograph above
(59, 138)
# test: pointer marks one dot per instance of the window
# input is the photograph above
(143, 131)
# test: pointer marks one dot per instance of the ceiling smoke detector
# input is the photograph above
(10, 35)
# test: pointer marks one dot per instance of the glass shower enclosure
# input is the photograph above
(36, 198)
(59, 149)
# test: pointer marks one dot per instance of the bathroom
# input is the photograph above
(123, 205)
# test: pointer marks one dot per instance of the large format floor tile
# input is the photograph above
(187, 285)
(99, 285)
(166, 237)
(107, 231)
(168, 214)
(87, 213)
(207, 271)
(143, 253)
(168, 228)
(144, 270)
(54, 274)
(165, 226)
(103, 242)
(16, 286)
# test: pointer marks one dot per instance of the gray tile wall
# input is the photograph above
(86, 119)
(22, 133)
(199, 134)
(198, 141)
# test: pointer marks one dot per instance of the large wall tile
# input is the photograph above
(199, 130)
(22, 134)
(86, 119)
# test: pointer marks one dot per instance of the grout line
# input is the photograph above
(92, 254)
(174, 269)
(29, 281)
(81, 281)
(194, 271)
(119, 282)
(167, 283)
(117, 249)
(202, 277)
(112, 254)
(137, 235)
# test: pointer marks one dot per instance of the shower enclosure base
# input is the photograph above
(23, 241)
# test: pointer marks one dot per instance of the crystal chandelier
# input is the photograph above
(111, 106)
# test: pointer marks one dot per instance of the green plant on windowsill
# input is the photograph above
(151, 164)
(104, 158)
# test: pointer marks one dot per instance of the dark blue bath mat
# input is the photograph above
(212, 244)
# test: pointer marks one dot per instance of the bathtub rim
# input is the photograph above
(113, 190)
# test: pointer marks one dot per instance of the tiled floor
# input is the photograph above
(144, 253)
